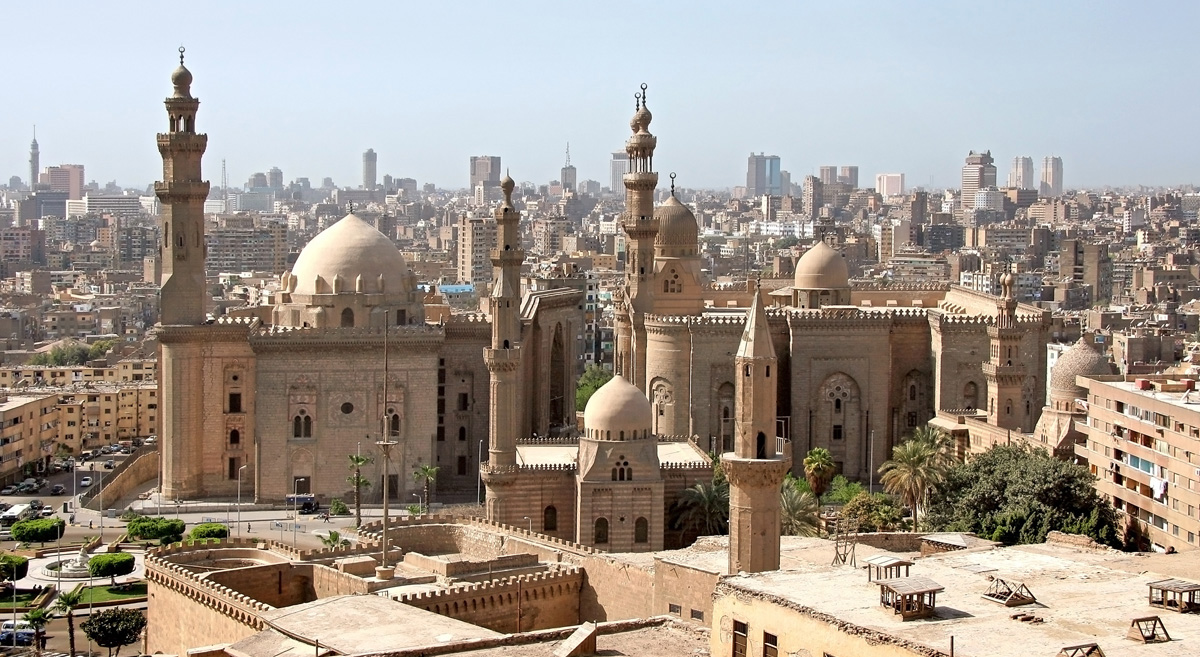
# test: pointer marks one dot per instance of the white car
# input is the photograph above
(47, 512)
(85, 482)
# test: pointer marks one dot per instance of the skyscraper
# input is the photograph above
(275, 178)
(1052, 176)
(1021, 175)
(978, 173)
(889, 184)
(829, 175)
(763, 176)
(485, 170)
(369, 169)
(65, 178)
(35, 161)
(849, 176)
(616, 172)
(568, 176)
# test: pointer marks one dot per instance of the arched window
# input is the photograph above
(307, 426)
(297, 427)
(760, 445)
(600, 532)
(912, 393)
(550, 519)
(837, 406)
(395, 424)
(641, 531)
(302, 425)
(614, 474)
(462, 434)
(347, 318)
(629, 474)
(235, 437)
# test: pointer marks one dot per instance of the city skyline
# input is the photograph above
(315, 109)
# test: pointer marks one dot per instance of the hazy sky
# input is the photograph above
(890, 86)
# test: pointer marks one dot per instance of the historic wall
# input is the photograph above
(186, 611)
(144, 468)
(687, 587)
(513, 604)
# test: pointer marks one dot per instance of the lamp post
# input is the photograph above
(383, 572)
(530, 521)
(479, 474)
(239, 502)
(100, 494)
(296, 507)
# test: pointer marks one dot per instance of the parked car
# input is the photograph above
(110, 464)
(8, 490)
(126, 450)
(19, 638)
(35, 504)
(58, 489)
(85, 482)
(46, 511)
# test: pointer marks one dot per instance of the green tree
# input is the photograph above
(938, 440)
(65, 604)
(59, 355)
(915, 467)
(209, 530)
(593, 377)
(337, 507)
(359, 482)
(786, 242)
(1015, 494)
(100, 349)
(425, 475)
(13, 567)
(878, 512)
(818, 469)
(704, 507)
(842, 490)
(156, 528)
(799, 511)
(334, 539)
(39, 530)
(114, 628)
(37, 619)
(111, 565)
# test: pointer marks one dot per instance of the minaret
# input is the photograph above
(756, 466)
(182, 192)
(35, 160)
(503, 358)
(1004, 370)
(641, 228)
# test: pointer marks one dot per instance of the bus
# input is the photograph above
(15, 514)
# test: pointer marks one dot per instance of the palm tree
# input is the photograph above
(37, 618)
(335, 539)
(425, 474)
(915, 467)
(818, 469)
(65, 604)
(940, 441)
(706, 508)
(357, 461)
(799, 511)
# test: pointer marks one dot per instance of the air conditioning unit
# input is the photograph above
(1143, 384)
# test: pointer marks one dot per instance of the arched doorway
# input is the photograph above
(558, 403)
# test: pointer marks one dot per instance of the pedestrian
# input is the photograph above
(89, 524)
(72, 518)
(247, 527)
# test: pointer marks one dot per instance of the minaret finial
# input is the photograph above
(643, 93)
(672, 183)
(181, 51)
(351, 204)
(637, 101)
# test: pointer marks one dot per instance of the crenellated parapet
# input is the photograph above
(226, 601)
(926, 286)
(416, 337)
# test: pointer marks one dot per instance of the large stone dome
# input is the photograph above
(677, 229)
(822, 268)
(345, 251)
(1080, 360)
(618, 411)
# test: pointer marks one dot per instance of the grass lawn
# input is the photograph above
(24, 599)
(105, 593)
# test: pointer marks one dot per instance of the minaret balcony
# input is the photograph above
(502, 360)
(1003, 371)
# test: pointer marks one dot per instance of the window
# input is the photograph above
(740, 632)
(235, 402)
(464, 401)
(837, 432)
(302, 425)
(347, 408)
(462, 465)
(641, 531)
(600, 532)
(697, 615)
(770, 645)
(347, 318)
(674, 609)
(235, 437)
(550, 519)
(234, 465)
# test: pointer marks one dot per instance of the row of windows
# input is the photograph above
(641, 531)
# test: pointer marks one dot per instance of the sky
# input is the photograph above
(888, 86)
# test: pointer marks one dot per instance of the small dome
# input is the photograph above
(676, 225)
(618, 406)
(349, 248)
(182, 79)
(1080, 360)
(822, 268)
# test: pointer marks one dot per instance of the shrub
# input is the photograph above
(39, 530)
(209, 530)
(338, 508)
(156, 528)
(111, 565)
(13, 567)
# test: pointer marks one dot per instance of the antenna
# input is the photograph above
(224, 186)
(568, 154)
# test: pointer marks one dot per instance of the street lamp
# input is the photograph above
(239, 513)
(383, 572)
(479, 474)
(296, 507)
(101, 496)
(530, 520)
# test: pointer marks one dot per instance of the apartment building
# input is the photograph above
(1143, 444)
(28, 431)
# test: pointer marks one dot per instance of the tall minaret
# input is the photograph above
(182, 192)
(1005, 371)
(503, 359)
(641, 228)
(35, 161)
(756, 467)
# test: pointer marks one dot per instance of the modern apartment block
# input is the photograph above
(1143, 444)
(978, 173)
(476, 238)
(246, 243)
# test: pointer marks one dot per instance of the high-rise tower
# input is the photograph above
(1021, 175)
(978, 173)
(1052, 177)
(569, 176)
(182, 193)
(35, 161)
(370, 161)
(756, 466)
(640, 228)
(503, 359)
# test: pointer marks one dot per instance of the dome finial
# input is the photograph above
(644, 94)
(507, 184)
(181, 51)
(672, 183)
(350, 205)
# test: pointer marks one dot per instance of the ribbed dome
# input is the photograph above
(1080, 360)
(618, 406)
(822, 268)
(350, 248)
(676, 225)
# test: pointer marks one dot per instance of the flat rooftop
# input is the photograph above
(667, 640)
(565, 454)
(1082, 596)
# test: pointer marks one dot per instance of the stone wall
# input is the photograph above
(513, 604)
(279, 585)
(140, 470)
(892, 541)
(186, 610)
(687, 587)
